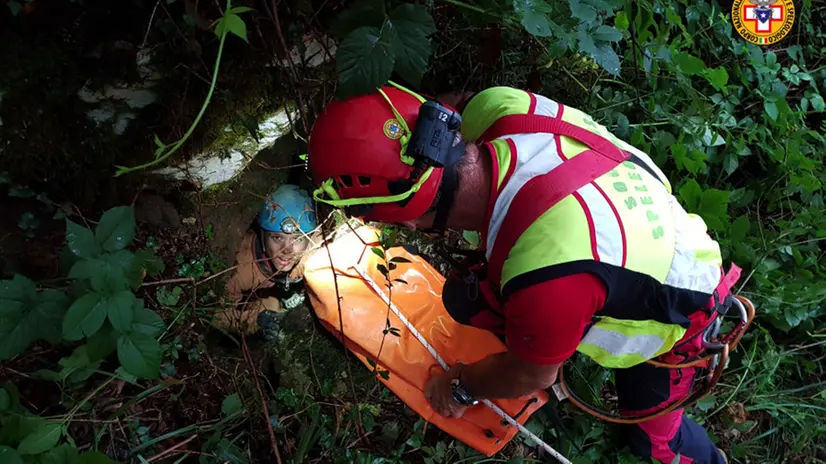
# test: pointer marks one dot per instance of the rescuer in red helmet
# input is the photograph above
(586, 249)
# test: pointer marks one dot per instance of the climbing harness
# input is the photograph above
(719, 346)
(444, 365)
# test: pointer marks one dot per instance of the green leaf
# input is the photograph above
(100, 345)
(5, 400)
(360, 14)
(146, 261)
(581, 11)
(771, 109)
(15, 7)
(63, 454)
(378, 252)
(399, 259)
(16, 295)
(718, 77)
(168, 297)
(140, 355)
(10, 455)
(817, 103)
(607, 58)
(607, 34)
(81, 241)
(85, 316)
(231, 404)
(621, 21)
(240, 9)
(689, 64)
(120, 310)
(42, 439)
(116, 228)
(411, 42)
(78, 367)
(730, 163)
(365, 60)
(534, 16)
(676, 459)
(690, 193)
(233, 24)
(146, 321)
(49, 310)
(17, 333)
(739, 228)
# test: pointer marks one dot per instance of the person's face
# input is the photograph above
(285, 249)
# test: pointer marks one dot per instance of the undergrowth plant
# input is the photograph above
(99, 308)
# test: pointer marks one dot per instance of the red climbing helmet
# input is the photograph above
(357, 157)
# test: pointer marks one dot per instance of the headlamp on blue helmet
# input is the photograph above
(288, 210)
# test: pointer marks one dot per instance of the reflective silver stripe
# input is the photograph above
(691, 236)
(535, 155)
(618, 344)
(606, 226)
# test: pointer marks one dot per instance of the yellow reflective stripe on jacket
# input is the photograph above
(618, 343)
(637, 226)
(502, 152)
(489, 105)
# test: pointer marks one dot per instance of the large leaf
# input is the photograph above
(17, 333)
(63, 454)
(534, 16)
(689, 64)
(78, 367)
(5, 400)
(15, 295)
(411, 44)
(116, 228)
(10, 456)
(365, 60)
(231, 405)
(42, 439)
(607, 34)
(100, 345)
(49, 310)
(231, 23)
(81, 241)
(606, 57)
(85, 316)
(360, 14)
(119, 309)
(145, 321)
(583, 12)
(140, 355)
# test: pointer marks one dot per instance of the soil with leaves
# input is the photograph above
(105, 340)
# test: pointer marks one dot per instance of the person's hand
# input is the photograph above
(440, 393)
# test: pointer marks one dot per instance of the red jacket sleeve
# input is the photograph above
(544, 322)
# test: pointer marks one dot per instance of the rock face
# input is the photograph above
(117, 104)
(211, 168)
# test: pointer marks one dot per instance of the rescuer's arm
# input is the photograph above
(544, 325)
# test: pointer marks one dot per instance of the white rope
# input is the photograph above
(444, 365)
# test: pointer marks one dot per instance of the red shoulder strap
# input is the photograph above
(533, 123)
(542, 192)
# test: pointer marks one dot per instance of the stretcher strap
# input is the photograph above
(444, 365)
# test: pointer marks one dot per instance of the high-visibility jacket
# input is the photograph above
(619, 222)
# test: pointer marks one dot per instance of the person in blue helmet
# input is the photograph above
(267, 278)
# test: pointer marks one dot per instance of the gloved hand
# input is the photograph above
(293, 301)
(270, 323)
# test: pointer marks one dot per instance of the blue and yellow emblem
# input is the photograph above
(392, 129)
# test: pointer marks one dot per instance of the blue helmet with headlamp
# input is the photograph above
(288, 210)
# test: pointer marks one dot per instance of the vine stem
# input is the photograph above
(468, 6)
(97, 390)
(248, 358)
(177, 145)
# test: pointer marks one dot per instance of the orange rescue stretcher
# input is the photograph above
(418, 297)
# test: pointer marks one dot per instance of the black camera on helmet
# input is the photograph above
(436, 139)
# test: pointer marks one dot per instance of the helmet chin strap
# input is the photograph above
(450, 182)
